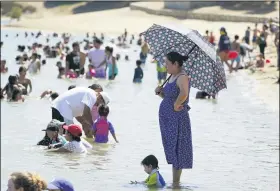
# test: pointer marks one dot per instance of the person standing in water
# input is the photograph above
(111, 63)
(35, 64)
(262, 40)
(235, 45)
(144, 52)
(138, 73)
(276, 42)
(24, 81)
(224, 47)
(97, 58)
(174, 119)
(73, 59)
(247, 35)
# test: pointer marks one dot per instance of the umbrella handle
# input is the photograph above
(157, 93)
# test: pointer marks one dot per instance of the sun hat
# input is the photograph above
(54, 125)
(60, 184)
(105, 97)
(74, 129)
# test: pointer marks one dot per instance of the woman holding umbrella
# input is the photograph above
(174, 117)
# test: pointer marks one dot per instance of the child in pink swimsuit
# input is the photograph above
(97, 88)
(102, 126)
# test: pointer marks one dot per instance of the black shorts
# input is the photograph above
(56, 115)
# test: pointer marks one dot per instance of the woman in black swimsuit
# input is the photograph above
(24, 81)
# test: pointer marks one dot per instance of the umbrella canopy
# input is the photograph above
(203, 66)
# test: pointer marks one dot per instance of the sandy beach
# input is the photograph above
(116, 20)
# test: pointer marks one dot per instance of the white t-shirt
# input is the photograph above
(71, 103)
(75, 147)
(97, 56)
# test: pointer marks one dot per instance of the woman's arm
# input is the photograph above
(113, 65)
(183, 84)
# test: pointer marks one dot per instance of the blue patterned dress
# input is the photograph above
(175, 129)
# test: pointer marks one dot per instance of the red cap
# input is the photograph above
(74, 129)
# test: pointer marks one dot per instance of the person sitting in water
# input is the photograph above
(150, 164)
(52, 138)
(17, 95)
(74, 144)
(102, 126)
(4, 69)
(138, 72)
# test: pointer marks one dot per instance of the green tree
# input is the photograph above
(15, 13)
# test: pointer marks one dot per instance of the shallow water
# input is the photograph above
(235, 138)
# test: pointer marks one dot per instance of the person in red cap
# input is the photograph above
(73, 136)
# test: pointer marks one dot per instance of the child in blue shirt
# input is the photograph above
(138, 72)
(150, 164)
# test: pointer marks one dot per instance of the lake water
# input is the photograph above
(235, 138)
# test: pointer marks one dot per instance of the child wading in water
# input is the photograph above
(150, 164)
(138, 72)
(102, 126)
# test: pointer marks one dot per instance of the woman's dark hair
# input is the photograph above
(103, 110)
(95, 87)
(109, 49)
(54, 95)
(236, 37)
(71, 87)
(21, 69)
(176, 57)
(12, 79)
(150, 160)
(15, 92)
(75, 138)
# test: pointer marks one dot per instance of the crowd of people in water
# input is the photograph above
(90, 105)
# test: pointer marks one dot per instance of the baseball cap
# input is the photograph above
(74, 129)
(60, 184)
(54, 125)
(105, 97)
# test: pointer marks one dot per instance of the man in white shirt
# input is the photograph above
(97, 56)
(78, 103)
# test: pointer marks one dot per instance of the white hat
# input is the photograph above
(105, 97)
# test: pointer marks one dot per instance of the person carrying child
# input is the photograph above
(150, 164)
(102, 126)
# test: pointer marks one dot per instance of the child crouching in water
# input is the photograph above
(102, 126)
(150, 164)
